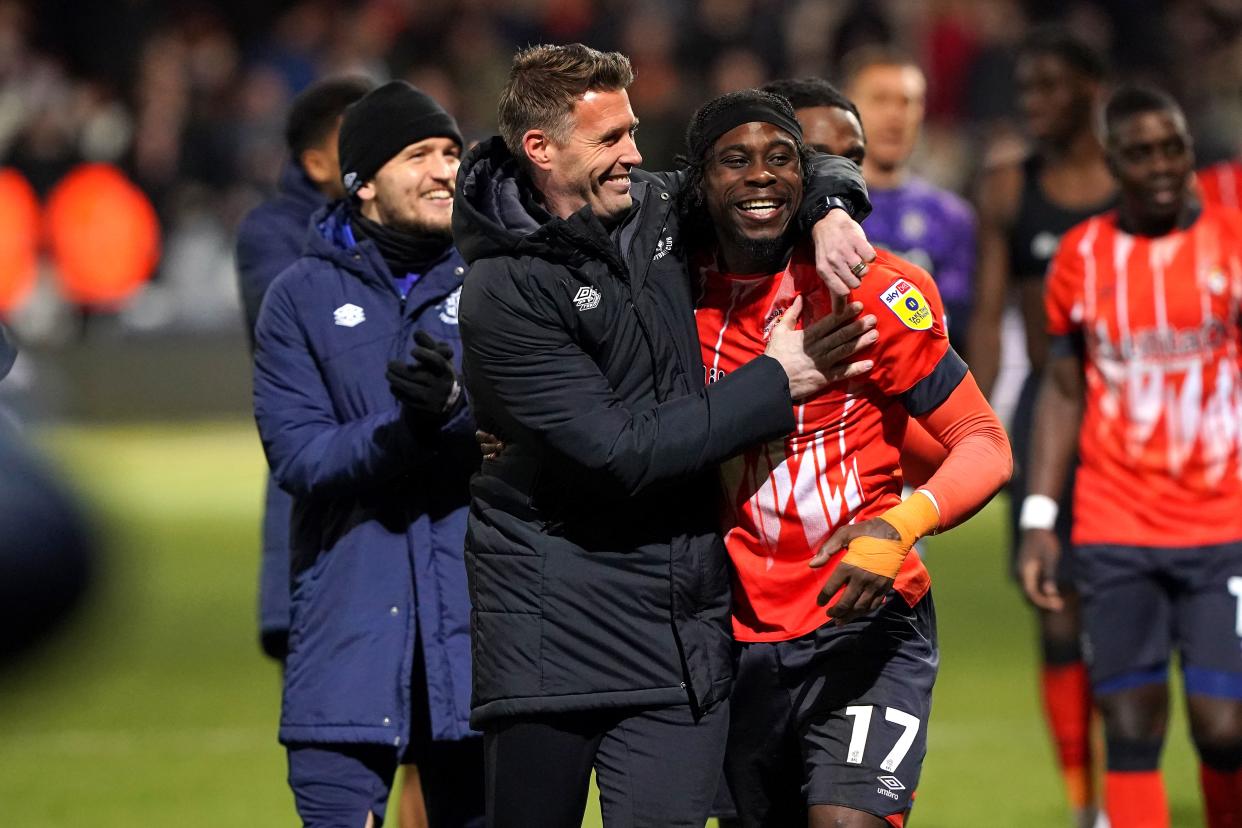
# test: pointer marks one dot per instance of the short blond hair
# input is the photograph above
(544, 84)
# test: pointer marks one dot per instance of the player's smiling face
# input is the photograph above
(1151, 155)
(752, 184)
(413, 192)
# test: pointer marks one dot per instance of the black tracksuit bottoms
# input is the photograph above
(655, 767)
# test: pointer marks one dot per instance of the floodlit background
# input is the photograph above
(150, 702)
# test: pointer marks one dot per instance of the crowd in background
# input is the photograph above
(189, 98)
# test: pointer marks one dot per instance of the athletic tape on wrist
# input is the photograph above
(913, 518)
(880, 556)
(1038, 512)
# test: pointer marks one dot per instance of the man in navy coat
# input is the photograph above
(269, 239)
(361, 412)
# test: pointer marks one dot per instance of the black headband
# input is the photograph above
(744, 113)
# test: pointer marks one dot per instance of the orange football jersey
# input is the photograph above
(842, 462)
(1221, 184)
(1162, 425)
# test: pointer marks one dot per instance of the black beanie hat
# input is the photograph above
(382, 123)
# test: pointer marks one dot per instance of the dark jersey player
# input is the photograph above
(1143, 308)
(816, 519)
(1024, 208)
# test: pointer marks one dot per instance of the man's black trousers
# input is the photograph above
(656, 768)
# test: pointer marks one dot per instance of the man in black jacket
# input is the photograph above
(599, 585)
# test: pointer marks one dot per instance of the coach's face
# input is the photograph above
(752, 183)
(833, 130)
(591, 167)
(413, 192)
(1151, 155)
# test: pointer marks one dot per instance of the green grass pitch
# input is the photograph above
(154, 707)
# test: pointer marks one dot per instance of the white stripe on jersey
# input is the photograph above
(1086, 251)
(1123, 243)
(1228, 196)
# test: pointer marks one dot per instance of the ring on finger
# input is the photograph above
(859, 269)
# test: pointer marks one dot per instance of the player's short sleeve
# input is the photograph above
(1063, 286)
(913, 359)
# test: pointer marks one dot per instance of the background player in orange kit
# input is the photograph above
(829, 719)
(1221, 183)
(1143, 310)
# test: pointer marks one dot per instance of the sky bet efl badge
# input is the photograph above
(907, 301)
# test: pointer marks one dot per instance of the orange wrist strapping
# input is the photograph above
(913, 518)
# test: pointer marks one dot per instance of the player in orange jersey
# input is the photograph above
(830, 705)
(1221, 184)
(1143, 309)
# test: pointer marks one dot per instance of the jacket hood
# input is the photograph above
(494, 214)
(296, 185)
(333, 240)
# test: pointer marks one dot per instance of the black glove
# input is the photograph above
(428, 386)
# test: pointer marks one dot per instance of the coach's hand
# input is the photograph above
(864, 590)
(1038, 557)
(818, 356)
(842, 252)
(427, 386)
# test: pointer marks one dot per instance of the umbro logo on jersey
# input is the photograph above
(349, 316)
(891, 782)
(586, 298)
(662, 248)
(907, 302)
(891, 785)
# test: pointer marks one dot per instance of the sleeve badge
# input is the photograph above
(909, 304)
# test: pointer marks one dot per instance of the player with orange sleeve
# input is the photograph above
(832, 610)
(1143, 308)
(1221, 184)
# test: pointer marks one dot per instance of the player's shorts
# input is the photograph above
(1141, 603)
(1021, 438)
(836, 717)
